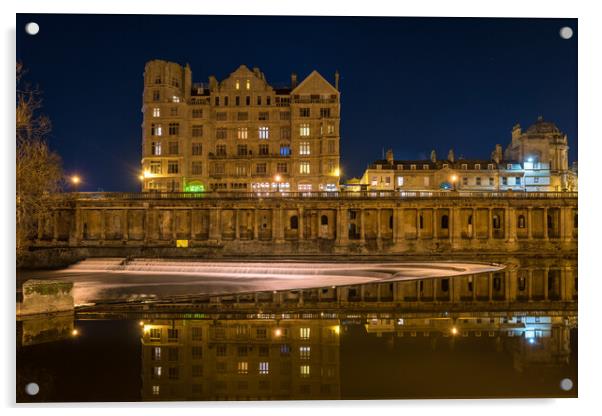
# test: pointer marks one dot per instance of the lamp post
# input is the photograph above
(277, 178)
(454, 179)
(75, 181)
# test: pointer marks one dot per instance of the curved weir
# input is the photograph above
(107, 279)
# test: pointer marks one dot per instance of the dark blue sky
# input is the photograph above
(411, 84)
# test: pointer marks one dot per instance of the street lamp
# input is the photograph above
(277, 178)
(75, 181)
(454, 179)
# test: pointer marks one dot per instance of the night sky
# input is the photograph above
(411, 84)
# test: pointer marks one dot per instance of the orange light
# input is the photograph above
(75, 179)
(75, 332)
(277, 178)
(278, 332)
(454, 178)
(454, 331)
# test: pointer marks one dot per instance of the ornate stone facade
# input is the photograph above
(238, 134)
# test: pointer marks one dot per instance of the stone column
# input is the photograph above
(530, 285)
(490, 226)
(125, 225)
(546, 289)
(215, 232)
(563, 285)
(456, 227)
(341, 226)
(362, 225)
(378, 224)
(103, 225)
(435, 224)
(530, 223)
(301, 224)
(474, 224)
(174, 225)
(490, 288)
(511, 224)
(256, 225)
(546, 231)
(78, 225)
(55, 226)
(418, 294)
(147, 224)
(236, 225)
(398, 219)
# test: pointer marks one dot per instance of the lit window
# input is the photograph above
(156, 130)
(304, 168)
(175, 99)
(490, 166)
(156, 112)
(172, 167)
(248, 84)
(400, 181)
(304, 148)
(264, 132)
(243, 367)
(477, 166)
(264, 367)
(155, 168)
(237, 84)
(157, 353)
(156, 148)
(304, 130)
(478, 181)
(157, 372)
(464, 166)
(155, 390)
(491, 181)
(285, 150)
(304, 187)
(304, 353)
(304, 370)
(412, 167)
(425, 167)
(304, 333)
(243, 133)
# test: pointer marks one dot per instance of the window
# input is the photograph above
(427, 181)
(220, 150)
(304, 333)
(258, 100)
(517, 180)
(477, 166)
(324, 220)
(304, 148)
(285, 133)
(304, 187)
(156, 372)
(237, 84)
(221, 116)
(156, 130)
(155, 167)
(156, 353)
(156, 95)
(243, 351)
(175, 99)
(285, 349)
(157, 79)
(243, 133)
(221, 133)
(219, 169)
(491, 182)
(464, 166)
(304, 353)
(156, 112)
(285, 150)
(535, 179)
(575, 221)
(521, 221)
(331, 146)
(197, 149)
(324, 112)
(264, 149)
(173, 111)
(465, 181)
(248, 84)
(490, 166)
(294, 222)
(425, 167)
(304, 168)
(241, 150)
(197, 168)
(221, 350)
(243, 367)
(172, 167)
(173, 148)
(478, 180)
(197, 333)
(172, 354)
(217, 101)
(332, 168)
(242, 116)
(264, 132)
(281, 168)
(261, 168)
(330, 128)
(400, 181)
(412, 167)
(304, 370)
(264, 351)
(197, 113)
(236, 101)
(174, 374)
(504, 180)
(226, 101)
(264, 367)
(241, 170)
(197, 131)
(444, 222)
(156, 148)
(421, 221)
(156, 390)
(304, 112)
(197, 371)
(304, 130)
(248, 100)
(264, 115)
(285, 115)
(496, 222)
(268, 101)
(174, 129)
(175, 82)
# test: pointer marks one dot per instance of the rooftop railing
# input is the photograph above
(337, 195)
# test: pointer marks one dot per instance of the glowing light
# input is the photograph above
(337, 172)
(337, 329)
(75, 179)
(141, 323)
(147, 328)
(454, 178)
(141, 177)
(530, 160)
(531, 340)
(454, 331)
(278, 332)
(75, 332)
(147, 174)
(277, 178)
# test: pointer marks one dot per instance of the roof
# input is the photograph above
(542, 127)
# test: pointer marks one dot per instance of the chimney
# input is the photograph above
(212, 82)
(390, 156)
(433, 156)
(336, 79)
(450, 155)
(516, 131)
(498, 153)
(293, 80)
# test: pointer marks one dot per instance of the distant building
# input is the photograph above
(238, 134)
(535, 160)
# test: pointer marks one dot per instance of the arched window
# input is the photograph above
(496, 222)
(324, 220)
(575, 221)
(521, 221)
(294, 222)
(444, 222)
(421, 221)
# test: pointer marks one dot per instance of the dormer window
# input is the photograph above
(445, 165)
(477, 166)
(237, 84)
(509, 166)
(490, 166)
(464, 166)
(412, 167)
(248, 84)
(399, 167)
(379, 166)
(425, 167)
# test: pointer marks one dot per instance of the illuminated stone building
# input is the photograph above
(241, 359)
(535, 161)
(238, 134)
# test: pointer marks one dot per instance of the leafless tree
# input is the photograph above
(39, 171)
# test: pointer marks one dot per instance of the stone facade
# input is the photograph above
(322, 224)
(534, 161)
(238, 134)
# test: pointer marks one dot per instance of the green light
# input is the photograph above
(194, 187)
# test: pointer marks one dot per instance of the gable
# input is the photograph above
(314, 83)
